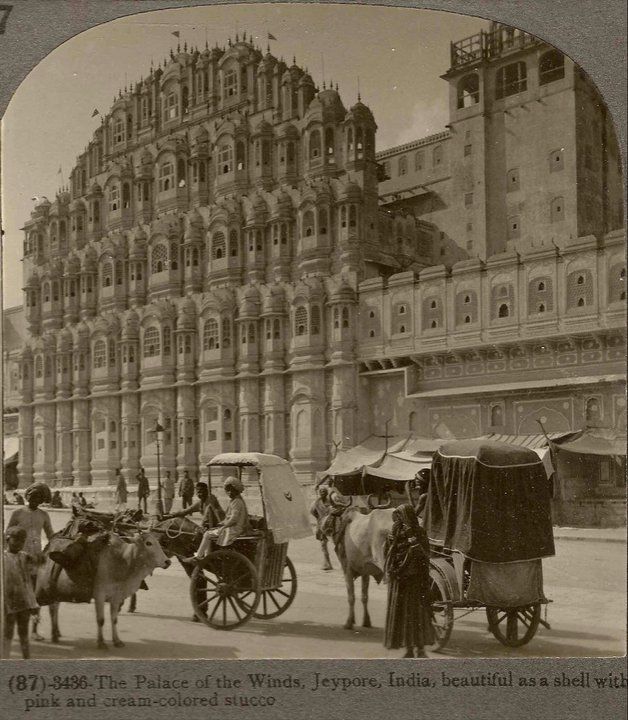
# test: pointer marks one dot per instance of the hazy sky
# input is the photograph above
(397, 53)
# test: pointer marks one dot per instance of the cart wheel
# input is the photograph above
(514, 627)
(276, 601)
(442, 610)
(224, 590)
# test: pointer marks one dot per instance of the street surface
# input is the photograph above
(586, 581)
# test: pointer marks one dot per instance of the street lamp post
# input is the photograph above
(160, 506)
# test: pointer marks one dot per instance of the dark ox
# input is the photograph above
(121, 567)
(359, 540)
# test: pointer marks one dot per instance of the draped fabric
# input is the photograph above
(408, 615)
(490, 501)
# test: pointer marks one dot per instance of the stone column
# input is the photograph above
(130, 433)
(82, 443)
(64, 443)
(26, 453)
(187, 451)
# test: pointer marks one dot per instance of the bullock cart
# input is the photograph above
(253, 577)
(488, 518)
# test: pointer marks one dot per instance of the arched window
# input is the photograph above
(240, 155)
(315, 320)
(185, 99)
(171, 109)
(211, 340)
(551, 67)
(308, 223)
(353, 216)
(510, 80)
(336, 317)
(99, 354)
(225, 159)
(151, 342)
(437, 155)
(233, 243)
(166, 176)
(218, 245)
(167, 340)
(349, 142)
(276, 329)
(174, 256)
(39, 367)
(497, 415)
(345, 317)
(315, 144)
(181, 172)
(616, 283)
(226, 333)
(469, 91)
(403, 165)
(419, 160)
(329, 144)
(159, 259)
(300, 320)
(107, 274)
(126, 195)
(251, 333)
(503, 311)
(322, 221)
(114, 199)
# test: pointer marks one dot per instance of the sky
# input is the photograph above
(395, 54)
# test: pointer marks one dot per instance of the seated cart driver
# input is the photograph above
(235, 523)
(207, 504)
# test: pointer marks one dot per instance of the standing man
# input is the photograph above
(186, 489)
(168, 492)
(320, 510)
(34, 520)
(143, 490)
(121, 491)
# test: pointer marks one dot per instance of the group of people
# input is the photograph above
(168, 489)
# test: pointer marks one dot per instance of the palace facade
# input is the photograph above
(230, 261)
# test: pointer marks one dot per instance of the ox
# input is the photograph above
(359, 539)
(120, 568)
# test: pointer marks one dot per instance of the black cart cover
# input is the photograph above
(490, 501)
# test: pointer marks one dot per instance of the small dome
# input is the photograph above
(73, 266)
(33, 281)
(249, 304)
(82, 332)
(275, 302)
(362, 112)
(77, 206)
(200, 134)
(27, 353)
(343, 293)
(306, 79)
(131, 326)
(64, 197)
(139, 234)
(64, 340)
(95, 189)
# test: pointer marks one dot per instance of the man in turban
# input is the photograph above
(234, 524)
(34, 521)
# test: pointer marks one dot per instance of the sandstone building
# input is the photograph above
(230, 260)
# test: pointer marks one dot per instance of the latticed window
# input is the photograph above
(300, 320)
(251, 333)
(432, 313)
(112, 352)
(511, 79)
(225, 159)
(166, 176)
(551, 67)
(345, 317)
(466, 307)
(107, 274)
(233, 243)
(114, 199)
(218, 246)
(39, 367)
(315, 320)
(308, 223)
(159, 259)
(419, 160)
(617, 283)
(167, 335)
(99, 354)
(315, 144)
(226, 333)
(403, 165)
(540, 295)
(579, 289)
(118, 131)
(151, 342)
(211, 339)
(171, 110)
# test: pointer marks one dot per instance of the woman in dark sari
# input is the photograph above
(408, 614)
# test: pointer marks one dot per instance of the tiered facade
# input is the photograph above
(201, 270)
(229, 261)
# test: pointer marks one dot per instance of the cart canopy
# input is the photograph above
(283, 497)
(491, 501)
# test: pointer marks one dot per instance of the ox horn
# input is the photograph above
(334, 499)
(383, 506)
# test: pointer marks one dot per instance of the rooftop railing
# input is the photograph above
(489, 44)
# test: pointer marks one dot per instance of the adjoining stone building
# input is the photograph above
(229, 260)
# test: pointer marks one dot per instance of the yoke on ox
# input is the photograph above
(104, 567)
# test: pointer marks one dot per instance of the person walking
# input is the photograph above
(19, 596)
(122, 495)
(407, 571)
(169, 487)
(34, 521)
(320, 510)
(186, 490)
(143, 490)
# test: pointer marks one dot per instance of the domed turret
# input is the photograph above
(64, 340)
(249, 304)
(351, 191)
(131, 326)
(275, 302)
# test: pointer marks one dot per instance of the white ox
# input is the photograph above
(121, 567)
(359, 541)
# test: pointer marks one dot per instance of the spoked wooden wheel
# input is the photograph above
(224, 590)
(276, 601)
(441, 610)
(514, 627)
